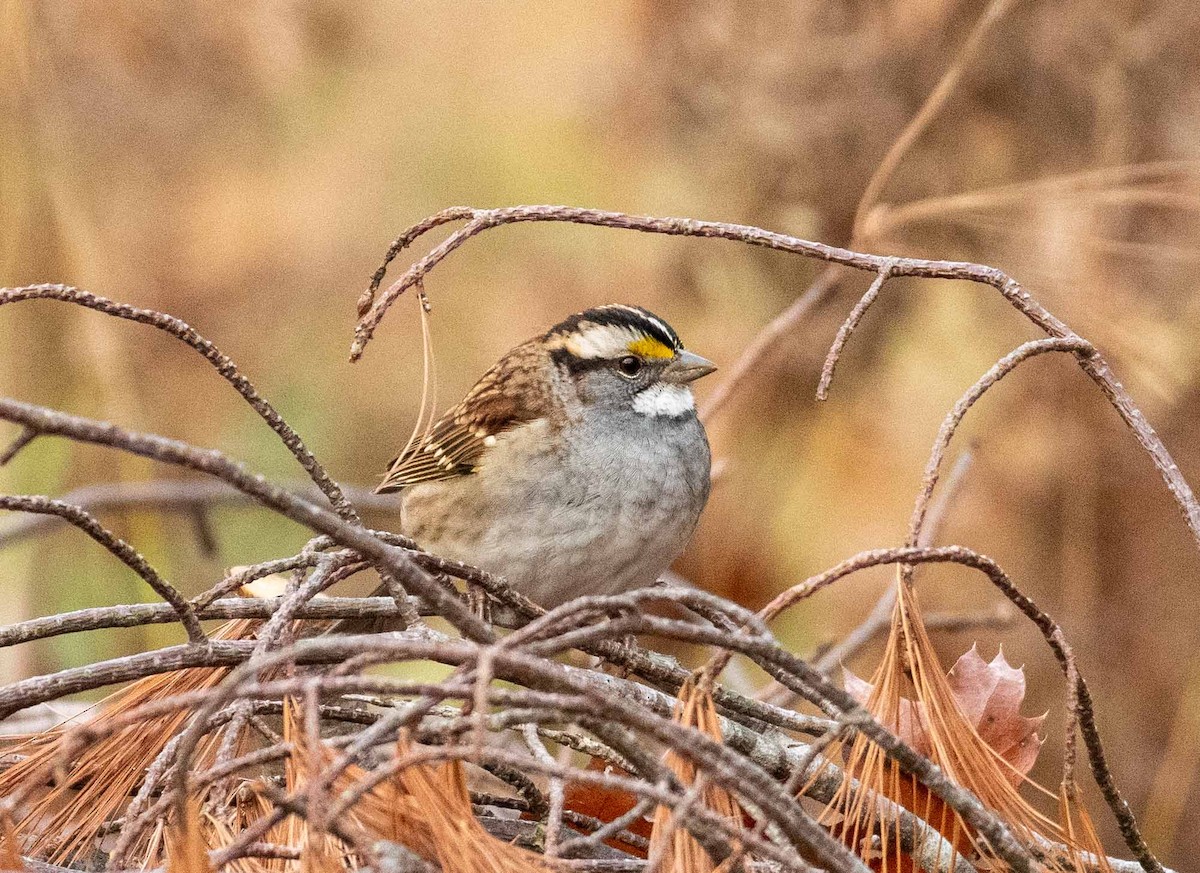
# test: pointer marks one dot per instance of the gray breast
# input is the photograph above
(606, 512)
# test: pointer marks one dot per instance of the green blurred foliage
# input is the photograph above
(244, 167)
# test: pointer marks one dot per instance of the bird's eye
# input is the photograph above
(630, 366)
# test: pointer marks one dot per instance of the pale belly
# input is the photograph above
(558, 526)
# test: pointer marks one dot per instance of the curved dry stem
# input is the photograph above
(879, 618)
(400, 243)
(523, 667)
(1094, 365)
(929, 110)
(227, 369)
(520, 667)
(1118, 183)
(124, 552)
(1074, 345)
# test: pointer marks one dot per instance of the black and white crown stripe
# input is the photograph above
(623, 322)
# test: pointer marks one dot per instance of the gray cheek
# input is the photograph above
(603, 387)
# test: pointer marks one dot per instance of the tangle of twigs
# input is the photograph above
(357, 726)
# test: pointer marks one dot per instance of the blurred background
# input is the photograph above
(244, 167)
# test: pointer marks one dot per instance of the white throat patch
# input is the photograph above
(665, 399)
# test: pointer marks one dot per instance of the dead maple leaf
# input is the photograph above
(968, 723)
(990, 694)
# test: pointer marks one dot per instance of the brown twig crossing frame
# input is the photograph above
(549, 692)
(372, 306)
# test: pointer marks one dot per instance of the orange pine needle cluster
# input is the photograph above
(186, 848)
(676, 850)
(935, 721)
(61, 824)
(10, 858)
(428, 809)
(425, 808)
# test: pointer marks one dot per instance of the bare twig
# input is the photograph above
(1050, 631)
(367, 300)
(139, 614)
(615, 829)
(341, 657)
(24, 438)
(171, 496)
(879, 618)
(1094, 364)
(847, 328)
(222, 363)
(514, 666)
(118, 547)
(554, 815)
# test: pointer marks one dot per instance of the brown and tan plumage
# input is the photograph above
(513, 392)
(576, 464)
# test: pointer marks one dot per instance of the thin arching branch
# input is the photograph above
(124, 552)
(223, 364)
(479, 220)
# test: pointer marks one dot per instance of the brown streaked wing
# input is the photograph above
(505, 397)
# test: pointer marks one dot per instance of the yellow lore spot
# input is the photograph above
(649, 347)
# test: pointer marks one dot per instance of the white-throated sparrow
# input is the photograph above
(576, 465)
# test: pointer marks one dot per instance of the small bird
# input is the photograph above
(576, 465)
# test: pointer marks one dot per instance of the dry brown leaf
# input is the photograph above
(677, 850)
(606, 804)
(990, 696)
(968, 723)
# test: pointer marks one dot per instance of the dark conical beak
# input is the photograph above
(687, 367)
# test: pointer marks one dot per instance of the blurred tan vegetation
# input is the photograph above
(244, 166)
